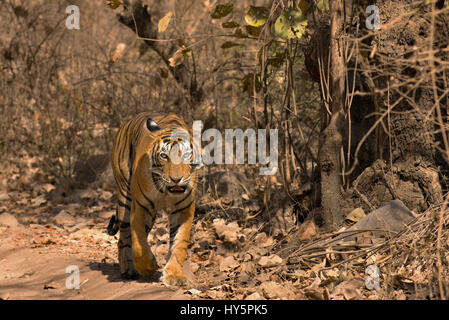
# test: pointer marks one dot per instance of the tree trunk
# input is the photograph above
(331, 137)
(397, 79)
(137, 17)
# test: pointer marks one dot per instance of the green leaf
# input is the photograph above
(257, 16)
(164, 22)
(253, 31)
(222, 10)
(290, 24)
(114, 4)
(229, 44)
(230, 24)
(323, 5)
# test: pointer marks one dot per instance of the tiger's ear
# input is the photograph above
(152, 125)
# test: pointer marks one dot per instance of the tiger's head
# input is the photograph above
(174, 159)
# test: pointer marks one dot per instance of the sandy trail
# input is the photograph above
(33, 273)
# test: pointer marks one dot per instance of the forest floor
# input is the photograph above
(45, 230)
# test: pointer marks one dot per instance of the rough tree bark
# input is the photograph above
(331, 137)
(394, 109)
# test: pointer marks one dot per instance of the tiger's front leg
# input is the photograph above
(180, 226)
(142, 220)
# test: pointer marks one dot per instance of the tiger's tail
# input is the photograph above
(113, 225)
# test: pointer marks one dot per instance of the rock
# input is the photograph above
(8, 220)
(390, 218)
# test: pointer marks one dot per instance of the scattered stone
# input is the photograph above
(392, 217)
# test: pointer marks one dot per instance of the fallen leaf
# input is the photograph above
(228, 263)
(307, 230)
(270, 261)
(227, 232)
(193, 291)
(254, 296)
(263, 241)
(349, 289)
(164, 22)
(273, 290)
(51, 285)
(356, 215)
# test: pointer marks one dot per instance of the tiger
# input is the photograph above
(155, 165)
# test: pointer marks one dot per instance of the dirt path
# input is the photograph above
(39, 273)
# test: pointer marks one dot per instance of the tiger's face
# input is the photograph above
(173, 165)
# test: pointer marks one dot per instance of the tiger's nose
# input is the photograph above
(176, 180)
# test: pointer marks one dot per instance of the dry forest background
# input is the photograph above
(362, 117)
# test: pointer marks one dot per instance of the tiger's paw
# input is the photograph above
(173, 278)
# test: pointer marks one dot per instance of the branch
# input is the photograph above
(137, 17)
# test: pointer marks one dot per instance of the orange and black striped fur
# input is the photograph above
(155, 166)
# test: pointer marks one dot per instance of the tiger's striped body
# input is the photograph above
(150, 178)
